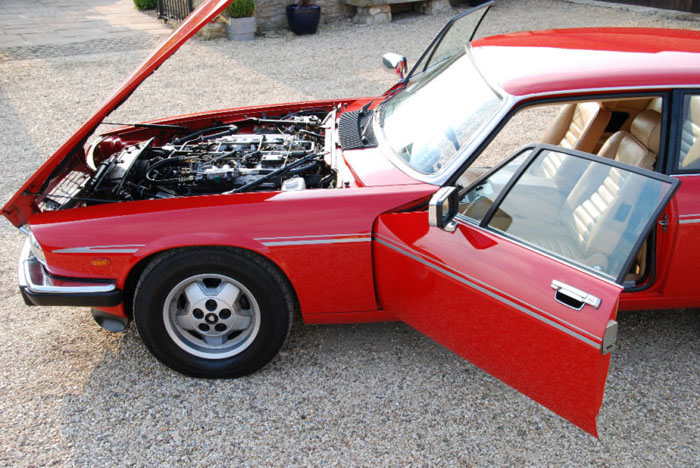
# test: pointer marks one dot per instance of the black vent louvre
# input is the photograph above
(349, 130)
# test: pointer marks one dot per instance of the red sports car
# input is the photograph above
(435, 204)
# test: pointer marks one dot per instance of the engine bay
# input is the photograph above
(256, 154)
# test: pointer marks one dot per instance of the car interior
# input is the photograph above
(625, 130)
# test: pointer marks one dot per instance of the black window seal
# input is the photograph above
(675, 133)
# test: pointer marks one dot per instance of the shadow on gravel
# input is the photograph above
(383, 395)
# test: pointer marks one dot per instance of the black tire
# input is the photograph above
(185, 279)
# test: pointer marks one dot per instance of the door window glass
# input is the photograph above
(591, 213)
(477, 201)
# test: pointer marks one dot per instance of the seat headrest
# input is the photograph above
(646, 127)
(655, 104)
(694, 109)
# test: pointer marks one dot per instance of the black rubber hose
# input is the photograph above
(177, 141)
(304, 168)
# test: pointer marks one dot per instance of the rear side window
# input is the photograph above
(689, 151)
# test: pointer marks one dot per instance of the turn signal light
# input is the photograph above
(99, 262)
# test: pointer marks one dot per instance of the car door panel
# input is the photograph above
(512, 328)
(684, 257)
(521, 274)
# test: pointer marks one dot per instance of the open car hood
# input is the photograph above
(20, 206)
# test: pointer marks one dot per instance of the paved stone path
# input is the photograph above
(46, 28)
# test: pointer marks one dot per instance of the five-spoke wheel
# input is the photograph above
(212, 312)
(211, 316)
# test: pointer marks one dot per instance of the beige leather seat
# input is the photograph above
(689, 157)
(578, 126)
(638, 147)
(593, 219)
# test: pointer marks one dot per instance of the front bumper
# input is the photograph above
(39, 287)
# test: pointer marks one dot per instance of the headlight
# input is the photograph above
(36, 248)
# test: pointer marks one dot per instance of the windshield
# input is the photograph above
(437, 113)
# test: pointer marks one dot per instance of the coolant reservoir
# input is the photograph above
(295, 183)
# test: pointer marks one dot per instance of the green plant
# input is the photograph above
(145, 4)
(241, 8)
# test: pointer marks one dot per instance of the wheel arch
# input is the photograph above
(132, 278)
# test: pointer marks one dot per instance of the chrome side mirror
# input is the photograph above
(396, 62)
(443, 207)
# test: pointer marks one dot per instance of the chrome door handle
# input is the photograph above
(573, 297)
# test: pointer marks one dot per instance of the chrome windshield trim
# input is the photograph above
(32, 275)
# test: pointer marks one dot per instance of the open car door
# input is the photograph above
(521, 272)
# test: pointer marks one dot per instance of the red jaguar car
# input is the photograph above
(437, 204)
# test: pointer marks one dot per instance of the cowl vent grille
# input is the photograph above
(350, 130)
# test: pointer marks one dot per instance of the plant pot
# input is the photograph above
(303, 19)
(241, 29)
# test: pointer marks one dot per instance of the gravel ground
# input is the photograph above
(365, 395)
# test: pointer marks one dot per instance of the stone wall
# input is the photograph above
(270, 14)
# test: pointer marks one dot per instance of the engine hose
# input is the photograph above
(163, 162)
(231, 130)
(304, 168)
(177, 141)
(276, 174)
(313, 134)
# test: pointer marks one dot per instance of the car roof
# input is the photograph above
(575, 60)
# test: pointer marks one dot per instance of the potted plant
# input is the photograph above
(241, 23)
(303, 18)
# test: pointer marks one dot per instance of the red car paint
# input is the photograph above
(570, 60)
(563, 373)
(343, 249)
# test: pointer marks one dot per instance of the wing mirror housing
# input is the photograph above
(396, 62)
(443, 207)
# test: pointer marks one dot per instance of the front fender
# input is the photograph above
(320, 239)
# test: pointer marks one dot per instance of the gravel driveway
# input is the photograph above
(361, 395)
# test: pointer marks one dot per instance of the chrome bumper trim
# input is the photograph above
(34, 279)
